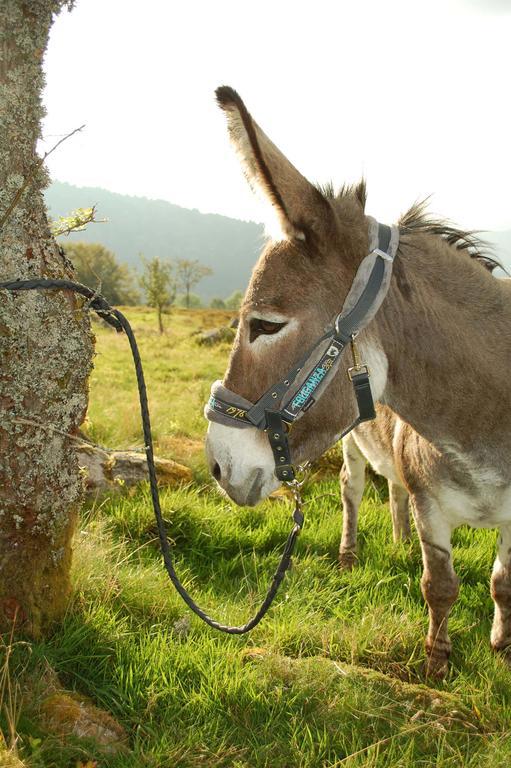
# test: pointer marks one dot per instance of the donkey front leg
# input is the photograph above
(439, 582)
(398, 501)
(501, 593)
(352, 479)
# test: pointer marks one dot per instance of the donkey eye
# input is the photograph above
(265, 326)
(259, 327)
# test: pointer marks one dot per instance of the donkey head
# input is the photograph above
(297, 287)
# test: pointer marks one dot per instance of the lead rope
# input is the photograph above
(115, 318)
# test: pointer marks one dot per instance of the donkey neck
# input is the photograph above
(445, 329)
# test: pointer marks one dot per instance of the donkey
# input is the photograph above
(437, 351)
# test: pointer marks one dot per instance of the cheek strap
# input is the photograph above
(277, 431)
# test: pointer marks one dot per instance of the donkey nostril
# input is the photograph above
(217, 472)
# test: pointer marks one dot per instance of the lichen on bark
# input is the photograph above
(45, 348)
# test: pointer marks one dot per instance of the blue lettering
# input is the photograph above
(308, 387)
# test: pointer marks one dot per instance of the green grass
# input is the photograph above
(179, 374)
(333, 676)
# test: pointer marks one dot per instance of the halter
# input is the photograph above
(287, 400)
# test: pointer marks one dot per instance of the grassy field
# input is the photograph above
(332, 677)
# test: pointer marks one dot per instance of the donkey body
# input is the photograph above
(438, 350)
(371, 443)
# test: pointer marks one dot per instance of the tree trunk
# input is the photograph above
(45, 349)
(160, 318)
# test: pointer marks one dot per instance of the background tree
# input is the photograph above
(159, 285)
(234, 300)
(192, 301)
(217, 304)
(45, 348)
(98, 267)
(188, 274)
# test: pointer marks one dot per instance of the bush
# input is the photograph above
(234, 300)
(194, 301)
(98, 268)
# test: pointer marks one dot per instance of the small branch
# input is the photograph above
(75, 222)
(52, 428)
(78, 440)
(61, 141)
(21, 191)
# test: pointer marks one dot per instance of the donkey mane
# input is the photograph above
(417, 219)
(358, 191)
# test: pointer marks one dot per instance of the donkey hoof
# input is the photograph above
(437, 661)
(347, 559)
(503, 648)
(436, 668)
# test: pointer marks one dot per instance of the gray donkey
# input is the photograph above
(439, 352)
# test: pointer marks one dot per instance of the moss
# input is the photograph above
(67, 714)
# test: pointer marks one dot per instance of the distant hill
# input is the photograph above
(157, 228)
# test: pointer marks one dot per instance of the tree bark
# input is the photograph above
(45, 349)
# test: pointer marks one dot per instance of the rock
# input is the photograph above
(64, 714)
(253, 654)
(215, 336)
(112, 470)
(283, 493)
(234, 322)
(182, 626)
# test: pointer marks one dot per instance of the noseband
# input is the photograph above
(287, 400)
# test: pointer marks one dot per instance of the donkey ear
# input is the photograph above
(301, 208)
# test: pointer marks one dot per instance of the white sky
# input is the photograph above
(412, 93)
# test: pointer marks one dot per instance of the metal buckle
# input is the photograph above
(287, 424)
(358, 366)
(356, 369)
(296, 488)
(301, 474)
(383, 254)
